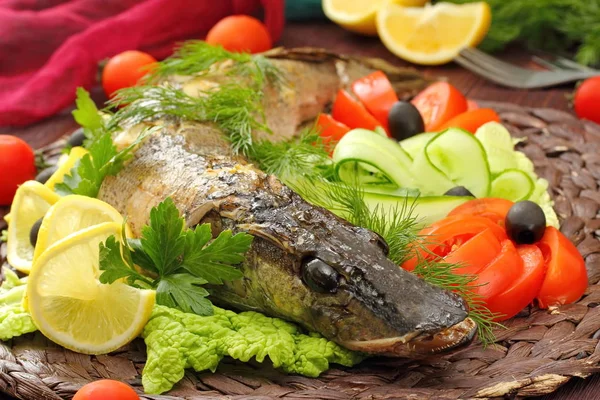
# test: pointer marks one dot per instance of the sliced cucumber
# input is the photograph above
(363, 156)
(512, 184)
(413, 145)
(453, 157)
(498, 144)
(426, 209)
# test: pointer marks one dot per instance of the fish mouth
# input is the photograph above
(417, 344)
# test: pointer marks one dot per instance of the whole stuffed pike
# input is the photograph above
(305, 265)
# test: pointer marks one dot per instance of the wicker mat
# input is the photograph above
(539, 351)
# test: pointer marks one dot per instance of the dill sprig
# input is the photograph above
(199, 58)
(304, 156)
(233, 108)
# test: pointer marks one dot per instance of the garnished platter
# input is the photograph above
(532, 354)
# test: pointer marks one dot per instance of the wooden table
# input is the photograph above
(323, 34)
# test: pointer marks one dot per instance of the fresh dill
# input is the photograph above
(199, 58)
(232, 107)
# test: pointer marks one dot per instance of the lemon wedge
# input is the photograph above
(359, 15)
(71, 214)
(65, 164)
(432, 35)
(31, 203)
(71, 307)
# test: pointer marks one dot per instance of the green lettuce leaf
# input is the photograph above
(176, 341)
(14, 320)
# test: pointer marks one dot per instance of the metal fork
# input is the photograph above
(561, 70)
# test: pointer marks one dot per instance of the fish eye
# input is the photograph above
(383, 244)
(319, 276)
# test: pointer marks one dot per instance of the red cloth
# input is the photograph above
(50, 47)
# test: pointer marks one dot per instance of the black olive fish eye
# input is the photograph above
(405, 120)
(459, 191)
(319, 276)
(525, 222)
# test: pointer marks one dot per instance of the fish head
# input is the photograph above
(343, 286)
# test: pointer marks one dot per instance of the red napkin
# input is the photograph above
(50, 47)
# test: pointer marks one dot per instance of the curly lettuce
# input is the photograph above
(176, 341)
(14, 320)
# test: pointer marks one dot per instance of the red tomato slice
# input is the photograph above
(330, 128)
(566, 277)
(475, 254)
(377, 94)
(492, 208)
(522, 292)
(106, 389)
(439, 103)
(17, 165)
(499, 274)
(351, 113)
(471, 120)
(445, 234)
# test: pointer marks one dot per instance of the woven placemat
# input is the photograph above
(539, 351)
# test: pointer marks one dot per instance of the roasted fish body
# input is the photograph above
(305, 265)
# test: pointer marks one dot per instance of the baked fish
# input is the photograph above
(305, 265)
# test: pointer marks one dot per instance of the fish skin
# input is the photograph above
(376, 307)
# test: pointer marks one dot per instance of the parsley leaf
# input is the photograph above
(183, 291)
(177, 260)
(87, 116)
(103, 159)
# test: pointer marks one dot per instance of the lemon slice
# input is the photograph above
(434, 34)
(71, 307)
(71, 214)
(31, 202)
(359, 15)
(65, 164)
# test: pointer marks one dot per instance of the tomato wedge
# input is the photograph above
(494, 209)
(377, 94)
(330, 128)
(439, 103)
(566, 277)
(475, 254)
(351, 113)
(471, 120)
(524, 289)
(499, 274)
(447, 234)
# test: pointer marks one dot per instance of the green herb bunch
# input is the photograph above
(562, 26)
(176, 261)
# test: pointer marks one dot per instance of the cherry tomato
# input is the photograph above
(472, 105)
(351, 113)
(439, 103)
(475, 254)
(125, 70)
(524, 289)
(471, 120)
(494, 209)
(587, 99)
(377, 94)
(240, 33)
(499, 274)
(566, 277)
(106, 389)
(445, 235)
(17, 165)
(330, 128)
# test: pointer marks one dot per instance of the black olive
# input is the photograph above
(76, 138)
(33, 233)
(459, 191)
(525, 222)
(320, 276)
(45, 174)
(404, 120)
